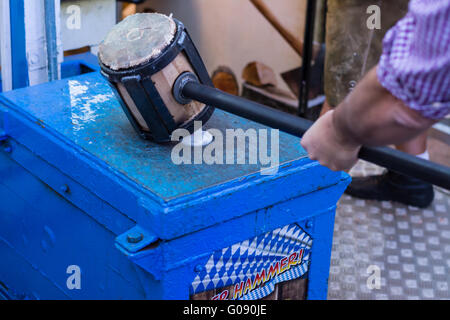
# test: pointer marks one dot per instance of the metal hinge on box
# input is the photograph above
(135, 239)
(143, 248)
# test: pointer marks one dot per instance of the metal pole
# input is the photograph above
(50, 34)
(386, 157)
(307, 57)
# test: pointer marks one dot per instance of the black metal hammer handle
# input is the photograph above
(389, 158)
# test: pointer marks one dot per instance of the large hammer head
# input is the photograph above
(142, 57)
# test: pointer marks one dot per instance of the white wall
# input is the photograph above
(86, 23)
(234, 33)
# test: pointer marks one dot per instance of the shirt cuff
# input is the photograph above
(388, 79)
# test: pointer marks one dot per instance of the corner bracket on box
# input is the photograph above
(135, 239)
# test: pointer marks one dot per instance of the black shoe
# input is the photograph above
(392, 186)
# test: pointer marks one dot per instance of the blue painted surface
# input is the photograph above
(19, 63)
(76, 179)
(86, 112)
(91, 138)
(79, 64)
(87, 58)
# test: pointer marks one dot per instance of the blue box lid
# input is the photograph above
(78, 126)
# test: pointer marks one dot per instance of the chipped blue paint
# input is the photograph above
(86, 112)
(79, 177)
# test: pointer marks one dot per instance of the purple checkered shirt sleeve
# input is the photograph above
(415, 64)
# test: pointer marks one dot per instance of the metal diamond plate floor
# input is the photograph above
(410, 246)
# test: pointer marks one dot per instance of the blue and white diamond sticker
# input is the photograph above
(249, 270)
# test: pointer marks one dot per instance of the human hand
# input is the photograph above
(326, 144)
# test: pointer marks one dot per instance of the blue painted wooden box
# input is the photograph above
(88, 210)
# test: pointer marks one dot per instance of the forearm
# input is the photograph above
(371, 116)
